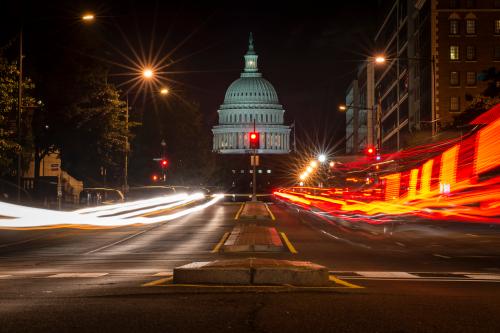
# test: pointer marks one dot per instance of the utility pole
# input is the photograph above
(125, 168)
(19, 113)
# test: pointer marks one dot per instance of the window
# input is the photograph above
(497, 27)
(454, 52)
(471, 78)
(454, 104)
(454, 79)
(454, 27)
(470, 27)
(496, 53)
(470, 53)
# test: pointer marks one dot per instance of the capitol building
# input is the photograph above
(250, 100)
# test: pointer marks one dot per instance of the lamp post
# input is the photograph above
(382, 59)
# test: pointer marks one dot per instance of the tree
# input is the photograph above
(9, 143)
(483, 102)
(93, 125)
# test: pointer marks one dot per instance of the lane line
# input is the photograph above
(288, 243)
(344, 283)
(120, 241)
(270, 213)
(441, 256)
(219, 244)
(158, 282)
(484, 276)
(237, 216)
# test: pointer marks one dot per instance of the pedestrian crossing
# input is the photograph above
(345, 275)
(424, 276)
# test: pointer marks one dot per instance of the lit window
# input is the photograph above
(260, 171)
(470, 27)
(454, 52)
(454, 27)
(497, 26)
(268, 171)
(454, 79)
(471, 78)
(470, 52)
(454, 104)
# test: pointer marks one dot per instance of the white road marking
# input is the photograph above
(121, 240)
(400, 275)
(77, 275)
(4, 276)
(167, 273)
(484, 276)
(441, 256)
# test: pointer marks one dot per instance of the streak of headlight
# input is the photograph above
(35, 217)
(135, 207)
(131, 204)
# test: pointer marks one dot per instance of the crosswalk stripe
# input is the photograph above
(167, 273)
(77, 275)
(484, 276)
(400, 275)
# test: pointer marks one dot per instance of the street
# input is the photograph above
(117, 279)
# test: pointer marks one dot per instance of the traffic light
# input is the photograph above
(254, 140)
(154, 178)
(163, 163)
(370, 151)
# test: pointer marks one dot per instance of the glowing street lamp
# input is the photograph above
(88, 17)
(332, 164)
(380, 59)
(342, 107)
(164, 91)
(322, 158)
(313, 164)
(147, 73)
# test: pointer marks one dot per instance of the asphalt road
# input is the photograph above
(413, 278)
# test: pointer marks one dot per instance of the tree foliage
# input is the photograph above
(94, 131)
(9, 143)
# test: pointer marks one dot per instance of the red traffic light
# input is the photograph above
(254, 140)
(164, 163)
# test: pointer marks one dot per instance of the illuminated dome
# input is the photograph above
(248, 100)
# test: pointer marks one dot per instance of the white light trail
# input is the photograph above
(26, 217)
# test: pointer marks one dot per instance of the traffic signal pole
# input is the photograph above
(254, 181)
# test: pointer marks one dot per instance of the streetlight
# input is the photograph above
(342, 107)
(88, 17)
(313, 164)
(147, 73)
(322, 158)
(164, 91)
(382, 59)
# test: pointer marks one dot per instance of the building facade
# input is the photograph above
(251, 102)
(435, 51)
(465, 42)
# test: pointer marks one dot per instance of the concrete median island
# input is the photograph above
(253, 271)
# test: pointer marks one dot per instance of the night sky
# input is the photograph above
(308, 51)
